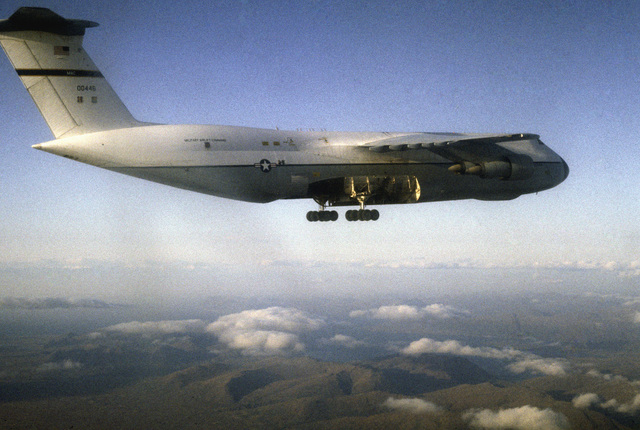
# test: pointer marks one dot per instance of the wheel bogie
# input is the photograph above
(350, 215)
(362, 215)
(322, 216)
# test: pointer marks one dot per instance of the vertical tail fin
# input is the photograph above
(69, 90)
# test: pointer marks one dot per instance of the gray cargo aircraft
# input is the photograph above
(92, 125)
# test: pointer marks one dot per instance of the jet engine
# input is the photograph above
(512, 168)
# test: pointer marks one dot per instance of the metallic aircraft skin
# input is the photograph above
(260, 165)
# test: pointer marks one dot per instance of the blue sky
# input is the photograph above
(568, 71)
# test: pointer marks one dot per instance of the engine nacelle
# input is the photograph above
(512, 168)
(521, 167)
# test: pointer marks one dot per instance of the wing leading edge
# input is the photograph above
(452, 146)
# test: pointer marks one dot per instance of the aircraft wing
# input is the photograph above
(475, 148)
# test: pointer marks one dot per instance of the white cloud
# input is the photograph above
(261, 342)
(626, 269)
(426, 345)
(51, 303)
(636, 317)
(610, 377)
(545, 366)
(273, 318)
(396, 312)
(585, 401)
(415, 406)
(632, 301)
(444, 311)
(522, 418)
(59, 365)
(524, 362)
(610, 404)
(358, 314)
(95, 335)
(406, 312)
(159, 327)
(254, 332)
(343, 340)
(588, 400)
(632, 407)
(267, 331)
(606, 376)
(631, 270)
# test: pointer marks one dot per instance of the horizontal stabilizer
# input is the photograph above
(41, 19)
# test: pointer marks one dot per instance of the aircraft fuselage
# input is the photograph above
(262, 165)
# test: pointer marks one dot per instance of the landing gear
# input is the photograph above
(357, 189)
(352, 215)
(362, 215)
(323, 216)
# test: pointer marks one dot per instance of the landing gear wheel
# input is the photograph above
(362, 215)
(323, 216)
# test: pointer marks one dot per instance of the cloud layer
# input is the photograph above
(159, 327)
(59, 365)
(269, 331)
(590, 400)
(407, 312)
(343, 340)
(545, 366)
(524, 362)
(426, 345)
(415, 406)
(585, 401)
(51, 303)
(522, 418)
